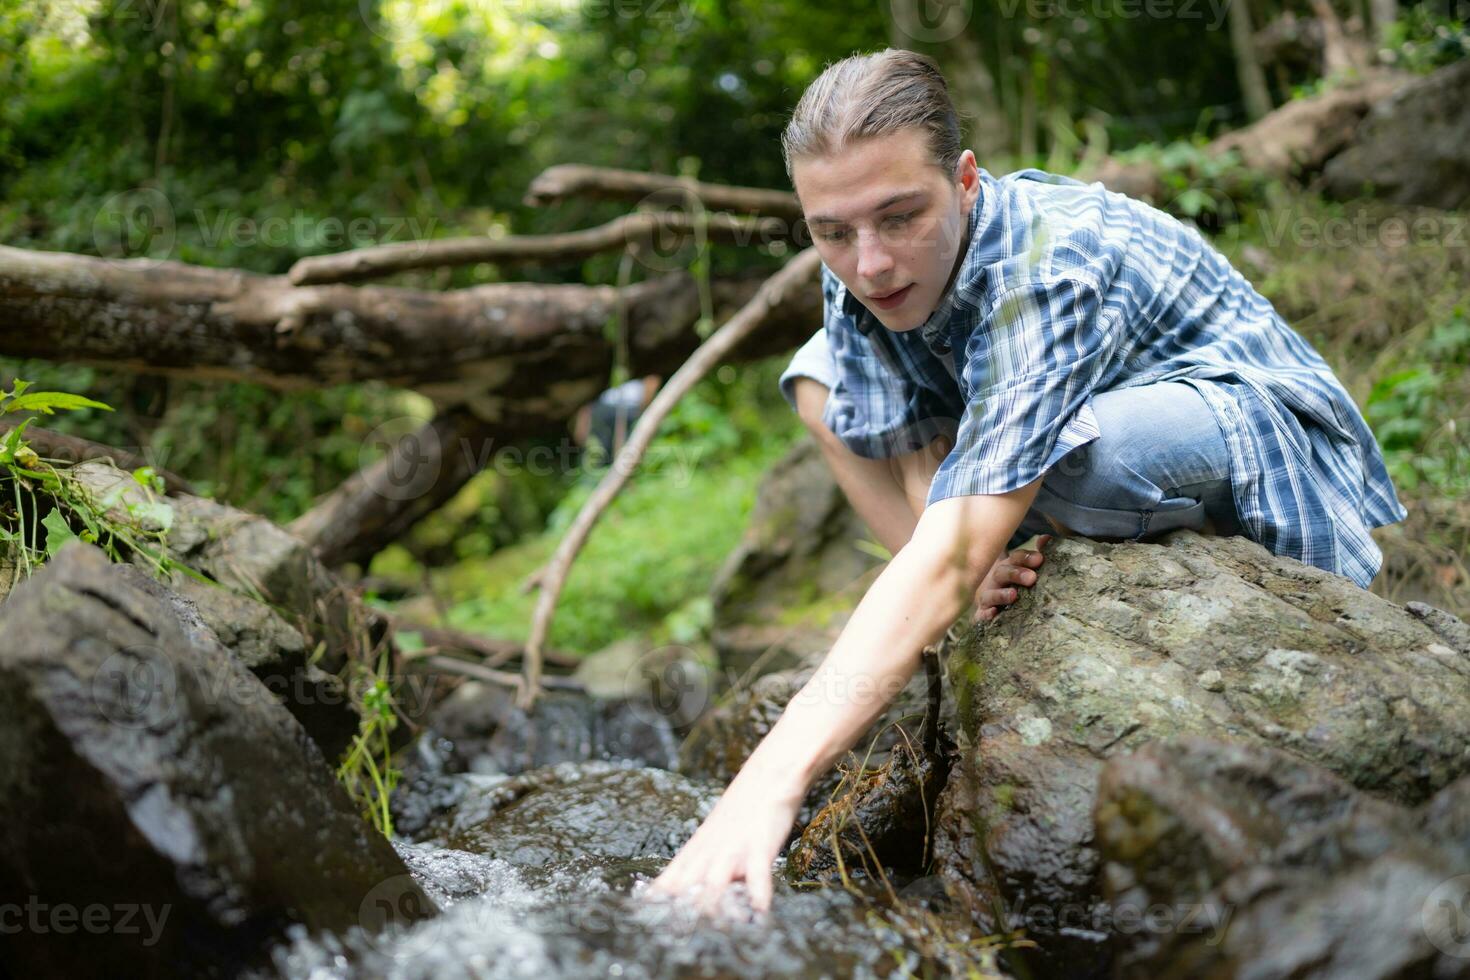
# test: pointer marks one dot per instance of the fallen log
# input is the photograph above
(534, 350)
(1291, 142)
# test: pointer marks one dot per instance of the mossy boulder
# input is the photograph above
(1120, 645)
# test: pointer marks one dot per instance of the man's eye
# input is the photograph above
(901, 219)
(833, 236)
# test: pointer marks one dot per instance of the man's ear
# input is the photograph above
(964, 166)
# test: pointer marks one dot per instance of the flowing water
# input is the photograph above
(541, 874)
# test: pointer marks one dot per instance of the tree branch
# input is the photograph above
(571, 179)
(637, 230)
(794, 275)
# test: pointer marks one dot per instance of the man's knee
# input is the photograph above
(1106, 472)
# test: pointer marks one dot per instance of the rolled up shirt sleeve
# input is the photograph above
(1031, 367)
(875, 407)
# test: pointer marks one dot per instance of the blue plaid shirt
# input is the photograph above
(1068, 289)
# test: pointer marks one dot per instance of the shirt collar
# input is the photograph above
(936, 327)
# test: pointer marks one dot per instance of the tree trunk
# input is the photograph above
(1247, 67)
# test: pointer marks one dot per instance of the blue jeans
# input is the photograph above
(1160, 463)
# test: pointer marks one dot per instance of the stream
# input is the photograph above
(540, 874)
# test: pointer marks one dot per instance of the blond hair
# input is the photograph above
(869, 95)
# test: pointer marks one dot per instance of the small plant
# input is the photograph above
(124, 523)
(370, 779)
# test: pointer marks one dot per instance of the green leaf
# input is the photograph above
(47, 402)
(58, 532)
(20, 387)
(153, 512)
(148, 477)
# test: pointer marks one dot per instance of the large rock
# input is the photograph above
(1118, 645)
(273, 584)
(1413, 147)
(160, 811)
(1226, 859)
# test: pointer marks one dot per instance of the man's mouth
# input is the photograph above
(893, 299)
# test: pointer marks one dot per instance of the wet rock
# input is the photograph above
(573, 812)
(449, 876)
(1242, 860)
(485, 732)
(266, 566)
(1122, 644)
(1414, 147)
(797, 573)
(148, 770)
(575, 925)
(276, 653)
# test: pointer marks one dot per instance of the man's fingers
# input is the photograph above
(1023, 556)
(675, 875)
(998, 597)
(1011, 575)
(758, 880)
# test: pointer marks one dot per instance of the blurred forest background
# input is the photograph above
(271, 127)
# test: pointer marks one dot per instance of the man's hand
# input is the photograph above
(917, 596)
(739, 840)
(1009, 574)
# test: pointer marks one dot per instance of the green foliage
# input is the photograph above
(648, 565)
(1208, 188)
(1423, 444)
(128, 522)
(1426, 37)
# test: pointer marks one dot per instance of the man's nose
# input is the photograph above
(874, 259)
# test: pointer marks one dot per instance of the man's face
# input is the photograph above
(884, 219)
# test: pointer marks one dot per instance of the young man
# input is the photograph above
(1001, 356)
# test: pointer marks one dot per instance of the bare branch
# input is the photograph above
(503, 678)
(631, 229)
(795, 275)
(495, 652)
(571, 179)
